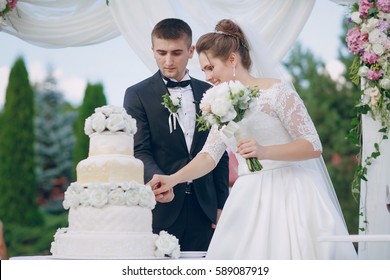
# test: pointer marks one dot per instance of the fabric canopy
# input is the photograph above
(69, 23)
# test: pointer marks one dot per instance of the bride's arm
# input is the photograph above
(296, 150)
(202, 164)
(291, 111)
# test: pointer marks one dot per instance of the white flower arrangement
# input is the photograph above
(110, 118)
(225, 106)
(53, 247)
(99, 195)
(167, 245)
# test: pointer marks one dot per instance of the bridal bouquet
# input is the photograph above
(225, 105)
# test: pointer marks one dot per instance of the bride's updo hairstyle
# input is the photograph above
(227, 38)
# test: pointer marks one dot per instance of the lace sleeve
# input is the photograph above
(293, 114)
(214, 145)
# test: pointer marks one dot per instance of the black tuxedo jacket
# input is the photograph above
(163, 152)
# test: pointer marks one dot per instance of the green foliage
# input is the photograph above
(54, 135)
(33, 240)
(94, 97)
(18, 188)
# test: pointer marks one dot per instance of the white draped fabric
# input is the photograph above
(58, 24)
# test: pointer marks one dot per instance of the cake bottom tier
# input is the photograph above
(100, 245)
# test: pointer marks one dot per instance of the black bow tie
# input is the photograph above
(172, 84)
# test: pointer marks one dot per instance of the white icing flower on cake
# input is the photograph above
(132, 196)
(116, 197)
(116, 122)
(84, 197)
(110, 109)
(125, 186)
(97, 196)
(98, 122)
(167, 245)
(110, 118)
(71, 198)
(147, 197)
(88, 126)
(131, 125)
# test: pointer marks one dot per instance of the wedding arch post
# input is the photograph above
(374, 216)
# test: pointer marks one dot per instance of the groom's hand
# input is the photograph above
(165, 197)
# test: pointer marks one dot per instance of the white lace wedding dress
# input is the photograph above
(280, 211)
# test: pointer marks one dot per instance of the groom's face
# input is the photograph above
(172, 56)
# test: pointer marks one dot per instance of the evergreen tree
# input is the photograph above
(18, 189)
(329, 105)
(54, 135)
(94, 97)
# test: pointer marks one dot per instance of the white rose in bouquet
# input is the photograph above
(224, 109)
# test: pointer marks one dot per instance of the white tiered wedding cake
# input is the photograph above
(109, 206)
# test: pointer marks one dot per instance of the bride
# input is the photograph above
(282, 210)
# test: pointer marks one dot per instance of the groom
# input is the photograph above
(165, 148)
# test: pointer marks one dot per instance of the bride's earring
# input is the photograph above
(234, 71)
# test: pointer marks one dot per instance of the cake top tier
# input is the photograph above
(110, 118)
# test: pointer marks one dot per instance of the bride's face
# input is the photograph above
(215, 70)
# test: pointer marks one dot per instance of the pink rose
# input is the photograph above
(374, 74)
(355, 40)
(384, 5)
(12, 4)
(370, 57)
(364, 7)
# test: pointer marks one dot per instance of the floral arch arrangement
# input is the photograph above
(368, 39)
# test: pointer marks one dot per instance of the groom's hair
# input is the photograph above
(172, 29)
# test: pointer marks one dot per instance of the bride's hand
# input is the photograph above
(162, 186)
(249, 148)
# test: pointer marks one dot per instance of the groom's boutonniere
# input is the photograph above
(172, 103)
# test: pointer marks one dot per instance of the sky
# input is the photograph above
(108, 62)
